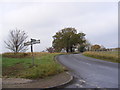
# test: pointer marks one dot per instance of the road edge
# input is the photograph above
(64, 83)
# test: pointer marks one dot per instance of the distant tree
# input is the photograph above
(96, 47)
(87, 45)
(43, 51)
(102, 48)
(84, 47)
(50, 49)
(81, 48)
(67, 39)
(16, 41)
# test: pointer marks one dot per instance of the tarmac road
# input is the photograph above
(89, 72)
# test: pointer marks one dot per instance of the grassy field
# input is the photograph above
(104, 55)
(21, 65)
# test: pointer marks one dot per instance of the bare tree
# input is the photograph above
(50, 49)
(16, 41)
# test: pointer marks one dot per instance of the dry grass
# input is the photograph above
(104, 55)
(23, 55)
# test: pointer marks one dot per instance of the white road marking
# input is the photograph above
(78, 85)
(98, 87)
(93, 85)
(82, 81)
(88, 64)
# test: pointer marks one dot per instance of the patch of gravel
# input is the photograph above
(15, 81)
(40, 83)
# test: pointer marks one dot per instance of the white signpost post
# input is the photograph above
(33, 41)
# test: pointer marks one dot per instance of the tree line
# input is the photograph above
(67, 40)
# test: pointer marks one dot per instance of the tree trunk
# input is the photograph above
(71, 49)
(67, 49)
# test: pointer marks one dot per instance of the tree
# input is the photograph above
(16, 41)
(67, 38)
(85, 46)
(102, 48)
(96, 47)
(81, 48)
(50, 49)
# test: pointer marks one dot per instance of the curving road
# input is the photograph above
(89, 72)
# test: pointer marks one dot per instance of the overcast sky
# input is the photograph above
(41, 20)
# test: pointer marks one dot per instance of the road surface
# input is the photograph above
(89, 72)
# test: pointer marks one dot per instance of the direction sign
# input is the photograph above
(33, 41)
(27, 43)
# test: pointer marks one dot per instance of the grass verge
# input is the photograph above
(111, 56)
(0, 65)
(45, 65)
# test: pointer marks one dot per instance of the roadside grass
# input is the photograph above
(21, 67)
(111, 56)
(0, 65)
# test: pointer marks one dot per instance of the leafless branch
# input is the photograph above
(16, 41)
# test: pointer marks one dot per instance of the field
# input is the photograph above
(104, 55)
(20, 65)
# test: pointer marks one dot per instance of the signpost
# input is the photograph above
(33, 41)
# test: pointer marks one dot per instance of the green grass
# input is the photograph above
(111, 56)
(45, 65)
(7, 62)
